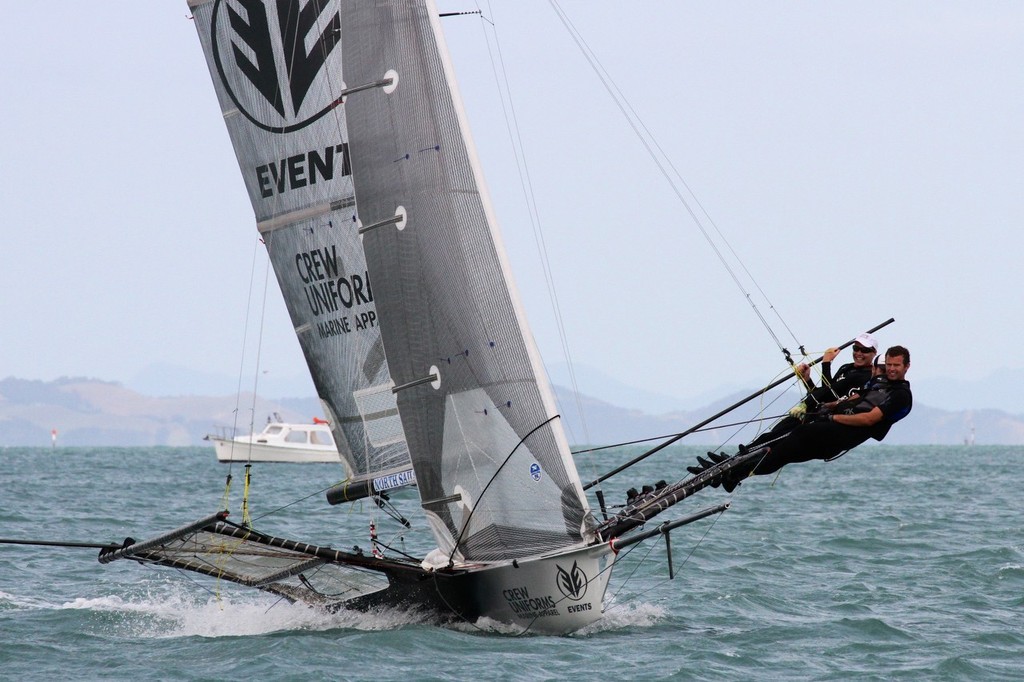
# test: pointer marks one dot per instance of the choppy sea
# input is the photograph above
(900, 562)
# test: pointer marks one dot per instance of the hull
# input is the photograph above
(555, 594)
(242, 451)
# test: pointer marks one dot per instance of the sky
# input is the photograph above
(863, 160)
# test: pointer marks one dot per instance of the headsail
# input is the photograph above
(492, 464)
(276, 68)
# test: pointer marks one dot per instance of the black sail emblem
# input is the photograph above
(247, 52)
(572, 583)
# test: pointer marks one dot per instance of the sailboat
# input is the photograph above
(355, 151)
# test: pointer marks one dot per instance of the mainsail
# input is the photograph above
(276, 68)
(492, 464)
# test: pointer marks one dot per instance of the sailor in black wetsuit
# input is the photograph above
(849, 377)
(840, 425)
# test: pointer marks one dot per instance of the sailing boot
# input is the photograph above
(732, 479)
(729, 483)
(703, 464)
(717, 458)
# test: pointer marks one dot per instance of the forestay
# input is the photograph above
(277, 70)
(492, 464)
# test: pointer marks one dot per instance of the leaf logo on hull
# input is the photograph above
(572, 583)
(275, 59)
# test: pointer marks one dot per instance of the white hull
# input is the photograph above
(279, 442)
(235, 451)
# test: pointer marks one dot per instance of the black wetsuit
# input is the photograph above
(825, 439)
(848, 378)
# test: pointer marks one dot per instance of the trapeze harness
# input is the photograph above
(877, 393)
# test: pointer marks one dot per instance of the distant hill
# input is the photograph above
(92, 412)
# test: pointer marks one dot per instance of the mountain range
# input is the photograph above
(93, 412)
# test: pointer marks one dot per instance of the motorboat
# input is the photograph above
(279, 442)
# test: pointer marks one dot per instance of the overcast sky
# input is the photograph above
(865, 161)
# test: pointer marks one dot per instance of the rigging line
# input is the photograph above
(625, 581)
(497, 471)
(241, 362)
(565, 597)
(293, 502)
(670, 435)
(618, 97)
(526, 184)
(697, 201)
(686, 560)
(259, 339)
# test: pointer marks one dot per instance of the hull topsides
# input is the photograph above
(238, 451)
(555, 594)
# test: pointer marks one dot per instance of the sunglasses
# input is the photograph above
(862, 349)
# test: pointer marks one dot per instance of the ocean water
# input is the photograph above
(889, 563)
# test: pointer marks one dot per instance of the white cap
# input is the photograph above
(867, 341)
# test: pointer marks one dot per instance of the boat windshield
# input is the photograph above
(296, 437)
(321, 438)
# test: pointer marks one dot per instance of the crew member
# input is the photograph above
(850, 376)
(840, 425)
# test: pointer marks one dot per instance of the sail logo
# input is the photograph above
(328, 289)
(275, 57)
(572, 583)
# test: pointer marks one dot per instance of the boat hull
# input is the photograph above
(555, 594)
(239, 451)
